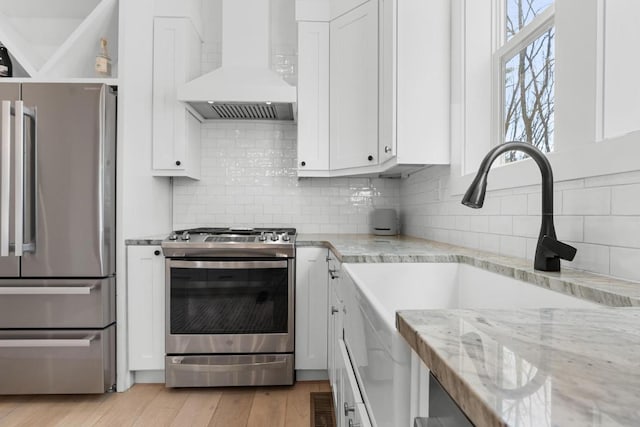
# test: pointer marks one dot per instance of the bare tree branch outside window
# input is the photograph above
(529, 82)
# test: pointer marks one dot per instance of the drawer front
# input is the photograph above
(57, 303)
(232, 370)
(57, 362)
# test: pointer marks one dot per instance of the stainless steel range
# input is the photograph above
(230, 307)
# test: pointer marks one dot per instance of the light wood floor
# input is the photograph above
(154, 405)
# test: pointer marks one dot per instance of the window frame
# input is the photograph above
(579, 99)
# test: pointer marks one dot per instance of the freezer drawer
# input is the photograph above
(57, 303)
(229, 370)
(57, 362)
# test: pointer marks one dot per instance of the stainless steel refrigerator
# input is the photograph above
(57, 238)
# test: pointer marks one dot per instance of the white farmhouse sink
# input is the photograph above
(374, 292)
(389, 287)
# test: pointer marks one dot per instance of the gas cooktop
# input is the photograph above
(229, 242)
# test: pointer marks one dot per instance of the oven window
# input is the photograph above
(228, 301)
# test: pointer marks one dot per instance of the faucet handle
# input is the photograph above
(558, 248)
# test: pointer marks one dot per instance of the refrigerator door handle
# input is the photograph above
(10, 343)
(46, 290)
(31, 173)
(19, 177)
(5, 175)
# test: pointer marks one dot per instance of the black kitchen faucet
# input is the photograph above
(549, 250)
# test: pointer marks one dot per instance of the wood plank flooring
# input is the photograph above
(146, 405)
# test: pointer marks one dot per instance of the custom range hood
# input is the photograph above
(244, 87)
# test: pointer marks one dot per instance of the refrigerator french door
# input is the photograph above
(57, 238)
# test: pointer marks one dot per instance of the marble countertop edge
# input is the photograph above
(461, 392)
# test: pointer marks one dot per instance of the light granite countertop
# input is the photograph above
(534, 368)
(146, 240)
(521, 368)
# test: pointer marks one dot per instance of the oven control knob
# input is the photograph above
(185, 236)
(173, 236)
(285, 237)
(274, 237)
(262, 237)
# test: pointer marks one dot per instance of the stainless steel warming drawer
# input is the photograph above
(57, 361)
(228, 370)
(56, 303)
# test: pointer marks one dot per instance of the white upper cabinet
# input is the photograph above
(313, 96)
(176, 132)
(414, 83)
(353, 88)
(59, 40)
(389, 84)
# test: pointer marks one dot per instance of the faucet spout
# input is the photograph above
(549, 250)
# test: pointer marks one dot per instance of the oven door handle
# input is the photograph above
(229, 265)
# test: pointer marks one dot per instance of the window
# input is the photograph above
(592, 125)
(526, 60)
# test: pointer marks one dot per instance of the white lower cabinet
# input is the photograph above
(335, 314)
(145, 307)
(350, 411)
(311, 303)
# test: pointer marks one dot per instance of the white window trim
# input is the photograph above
(579, 158)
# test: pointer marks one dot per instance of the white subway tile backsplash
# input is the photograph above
(501, 224)
(249, 179)
(513, 246)
(625, 200)
(462, 223)
(600, 216)
(588, 201)
(612, 230)
(625, 262)
(594, 258)
(489, 242)
(514, 205)
(479, 223)
(570, 228)
(526, 226)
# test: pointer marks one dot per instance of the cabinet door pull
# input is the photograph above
(334, 310)
(387, 149)
(370, 158)
(348, 409)
(303, 163)
(178, 162)
(156, 252)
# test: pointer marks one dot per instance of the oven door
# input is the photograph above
(229, 306)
